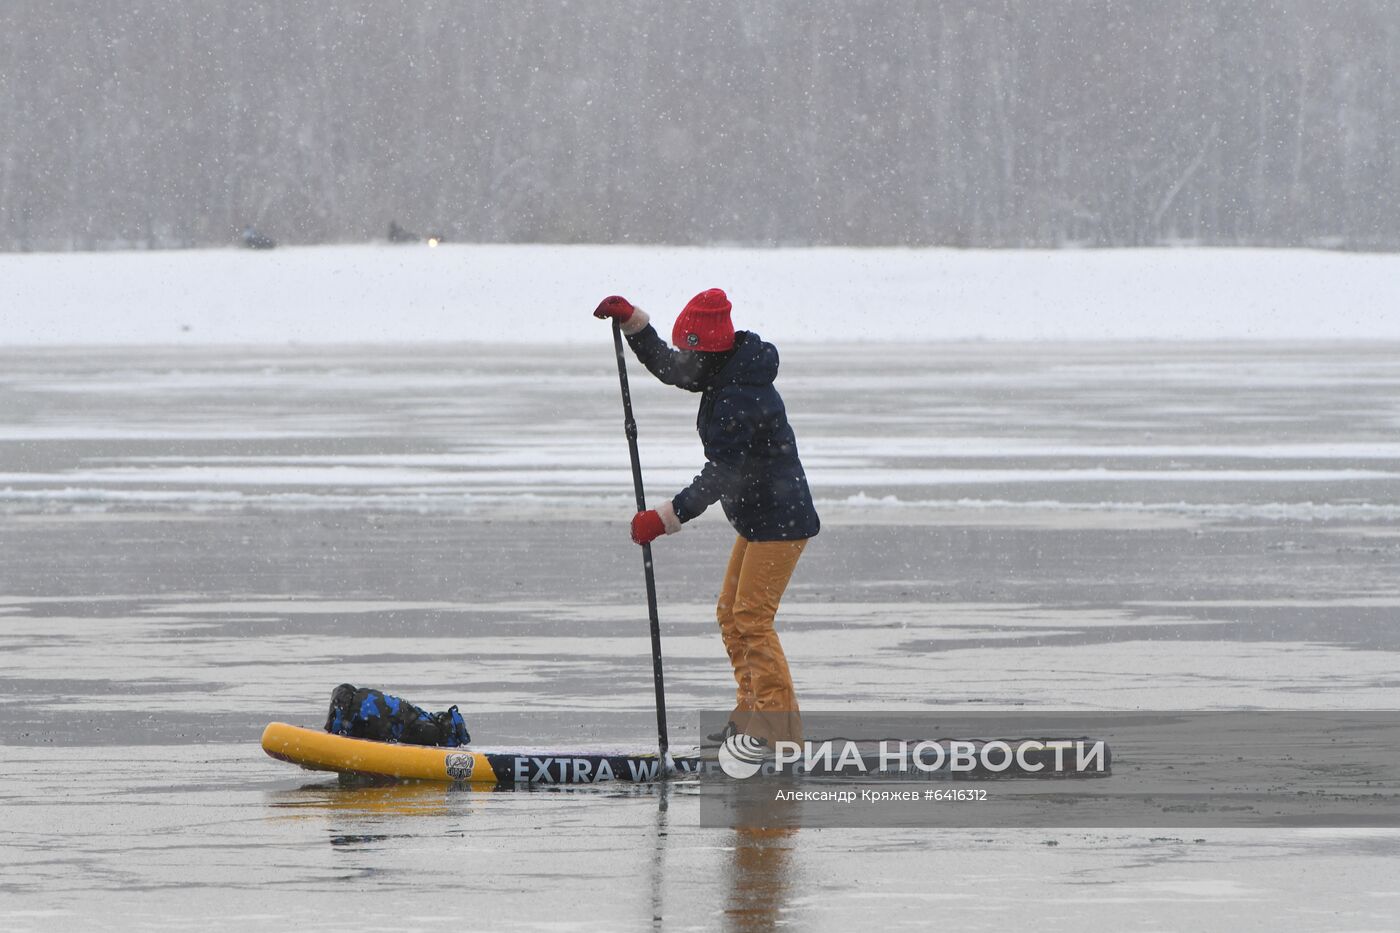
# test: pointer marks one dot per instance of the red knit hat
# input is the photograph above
(704, 323)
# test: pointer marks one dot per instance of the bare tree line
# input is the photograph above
(1010, 123)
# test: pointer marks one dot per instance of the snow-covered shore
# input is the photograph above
(537, 293)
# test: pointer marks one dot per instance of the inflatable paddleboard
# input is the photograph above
(320, 751)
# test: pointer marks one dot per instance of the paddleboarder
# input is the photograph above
(752, 469)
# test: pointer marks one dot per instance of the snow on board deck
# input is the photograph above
(321, 751)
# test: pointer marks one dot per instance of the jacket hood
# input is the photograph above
(754, 363)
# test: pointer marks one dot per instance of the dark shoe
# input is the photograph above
(716, 739)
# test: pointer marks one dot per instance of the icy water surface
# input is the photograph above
(194, 542)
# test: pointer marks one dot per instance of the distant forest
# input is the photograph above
(167, 123)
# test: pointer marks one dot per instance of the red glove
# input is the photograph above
(615, 307)
(647, 527)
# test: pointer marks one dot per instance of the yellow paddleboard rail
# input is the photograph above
(321, 751)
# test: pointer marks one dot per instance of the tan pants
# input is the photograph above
(765, 704)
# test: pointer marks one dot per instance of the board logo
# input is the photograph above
(459, 767)
(741, 756)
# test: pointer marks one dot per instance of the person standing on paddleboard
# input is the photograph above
(753, 471)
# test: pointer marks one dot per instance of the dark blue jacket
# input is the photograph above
(751, 468)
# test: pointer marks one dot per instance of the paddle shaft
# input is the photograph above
(630, 427)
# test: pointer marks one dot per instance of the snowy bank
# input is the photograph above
(512, 293)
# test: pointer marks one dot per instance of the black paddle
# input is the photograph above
(630, 427)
